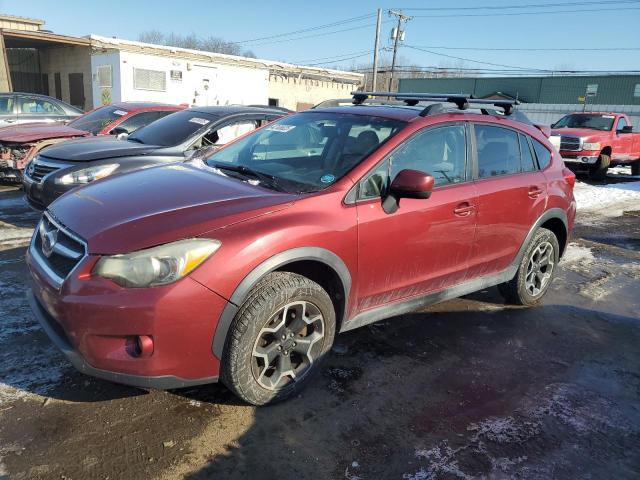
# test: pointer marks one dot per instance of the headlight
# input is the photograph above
(87, 175)
(591, 146)
(158, 265)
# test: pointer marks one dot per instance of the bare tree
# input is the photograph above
(192, 41)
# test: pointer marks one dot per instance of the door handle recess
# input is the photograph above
(535, 192)
(463, 210)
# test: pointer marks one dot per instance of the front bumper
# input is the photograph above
(577, 158)
(93, 322)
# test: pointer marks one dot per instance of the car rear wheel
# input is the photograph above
(599, 170)
(278, 338)
(535, 272)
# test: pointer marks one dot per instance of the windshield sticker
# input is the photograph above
(608, 116)
(120, 112)
(280, 128)
(199, 121)
(328, 178)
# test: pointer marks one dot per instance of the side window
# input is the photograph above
(543, 155)
(139, 120)
(528, 161)
(498, 151)
(33, 105)
(621, 124)
(439, 151)
(6, 105)
(232, 131)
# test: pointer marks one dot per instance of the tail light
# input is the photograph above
(569, 177)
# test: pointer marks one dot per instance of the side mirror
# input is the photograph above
(626, 129)
(407, 184)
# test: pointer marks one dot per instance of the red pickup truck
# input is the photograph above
(595, 141)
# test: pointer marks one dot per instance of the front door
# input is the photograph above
(623, 144)
(425, 245)
(511, 196)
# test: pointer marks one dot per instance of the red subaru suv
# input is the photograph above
(242, 267)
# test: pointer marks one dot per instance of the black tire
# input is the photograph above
(599, 170)
(269, 297)
(635, 168)
(516, 291)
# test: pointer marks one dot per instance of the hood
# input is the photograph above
(32, 132)
(578, 132)
(161, 204)
(97, 148)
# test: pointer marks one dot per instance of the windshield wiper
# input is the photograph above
(270, 181)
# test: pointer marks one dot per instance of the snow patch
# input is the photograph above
(577, 253)
(607, 200)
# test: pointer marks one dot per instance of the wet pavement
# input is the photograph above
(470, 388)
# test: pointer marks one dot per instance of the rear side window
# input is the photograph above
(528, 161)
(543, 155)
(498, 151)
(6, 105)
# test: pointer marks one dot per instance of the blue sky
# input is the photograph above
(611, 26)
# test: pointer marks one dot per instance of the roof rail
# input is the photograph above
(461, 100)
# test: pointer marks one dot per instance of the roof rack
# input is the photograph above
(461, 100)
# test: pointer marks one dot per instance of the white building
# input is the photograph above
(95, 70)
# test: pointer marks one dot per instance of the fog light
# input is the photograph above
(143, 346)
(585, 159)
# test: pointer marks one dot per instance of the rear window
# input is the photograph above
(543, 155)
(173, 129)
(99, 118)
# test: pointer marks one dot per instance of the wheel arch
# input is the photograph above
(318, 264)
(554, 218)
(606, 151)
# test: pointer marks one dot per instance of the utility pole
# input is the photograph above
(375, 52)
(399, 33)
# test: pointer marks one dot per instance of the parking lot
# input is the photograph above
(468, 388)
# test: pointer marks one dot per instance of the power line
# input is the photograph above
(517, 14)
(519, 7)
(340, 60)
(500, 49)
(332, 56)
(311, 29)
(472, 60)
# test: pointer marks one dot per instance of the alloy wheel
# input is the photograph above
(540, 269)
(288, 345)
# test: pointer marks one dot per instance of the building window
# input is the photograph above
(636, 91)
(104, 76)
(144, 79)
(273, 102)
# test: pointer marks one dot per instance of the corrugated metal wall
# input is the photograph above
(612, 89)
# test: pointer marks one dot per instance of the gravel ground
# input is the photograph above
(470, 388)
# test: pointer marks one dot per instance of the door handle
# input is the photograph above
(464, 209)
(9, 120)
(535, 192)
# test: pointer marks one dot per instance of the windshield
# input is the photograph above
(595, 122)
(308, 151)
(99, 118)
(173, 129)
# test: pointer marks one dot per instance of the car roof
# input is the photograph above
(131, 106)
(235, 109)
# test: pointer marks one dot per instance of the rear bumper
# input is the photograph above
(59, 339)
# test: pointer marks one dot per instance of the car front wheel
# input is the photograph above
(278, 338)
(535, 272)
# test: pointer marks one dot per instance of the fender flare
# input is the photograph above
(548, 215)
(271, 264)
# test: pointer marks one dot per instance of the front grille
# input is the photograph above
(38, 169)
(56, 250)
(571, 144)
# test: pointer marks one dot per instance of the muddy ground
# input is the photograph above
(470, 388)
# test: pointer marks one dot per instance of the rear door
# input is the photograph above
(425, 245)
(511, 195)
